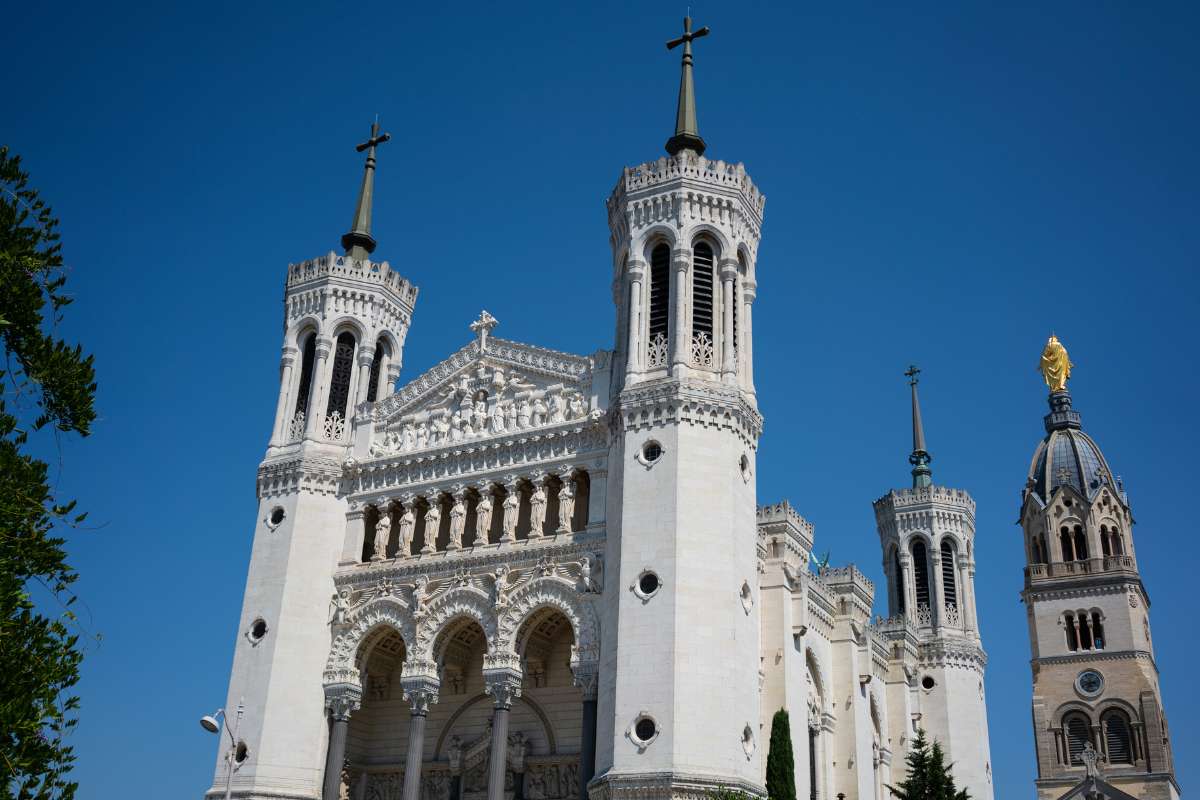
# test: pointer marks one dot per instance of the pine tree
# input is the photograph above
(929, 776)
(781, 765)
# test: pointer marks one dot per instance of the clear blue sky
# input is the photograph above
(945, 184)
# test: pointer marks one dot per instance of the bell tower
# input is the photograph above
(682, 691)
(345, 321)
(1096, 694)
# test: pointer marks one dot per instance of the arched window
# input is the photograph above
(702, 304)
(1081, 550)
(949, 585)
(1072, 633)
(339, 381)
(1118, 548)
(376, 365)
(737, 298)
(898, 571)
(1085, 631)
(1117, 740)
(1097, 631)
(1078, 730)
(1035, 550)
(1105, 547)
(660, 304)
(306, 371)
(921, 573)
(1068, 545)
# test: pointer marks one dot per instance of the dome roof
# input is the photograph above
(1068, 456)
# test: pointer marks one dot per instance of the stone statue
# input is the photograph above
(454, 752)
(339, 606)
(500, 586)
(557, 409)
(420, 596)
(383, 532)
(566, 505)
(537, 511)
(456, 427)
(1055, 366)
(479, 416)
(458, 522)
(512, 505)
(433, 521)
(441, 430)
(408, 523)
(422, 436)
(539, 412)
(577, 407)
(483, 515)
(496, 420)
(522, 413)
(510, 417)
(408, 437)
(587, 583)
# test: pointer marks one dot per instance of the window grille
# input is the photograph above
(339, 382)
(376, 365)
(899, 572)
(306, 371)
(702, 289)
(949, 585)
(1117, 738)
(1079, 734)
(921, 570)
(660, 291)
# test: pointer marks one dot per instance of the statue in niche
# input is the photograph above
(496, 419)
(483, 515)
(458, 521)
(523, 410)
(479, 415)
(556, 409)
(433, 521)
(537, 511)
(500, 586)
(339, 607)
(408, 523)
(566, 505)
(518, 749)
(454, 752)
(420, 596)
(587, 582)
(512, 506)
(383, 532)
(577, 407)
(539, 412)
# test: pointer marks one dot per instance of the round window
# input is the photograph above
(258, 629)
(277, 515)
(1089, 683)
(647, 584)
(241, 753)
(928, 683)
(644, 729)
(651, 451)
(744, 466)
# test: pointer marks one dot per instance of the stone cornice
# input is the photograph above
(963, 654)
(1092, 585)
(317, 474)
(693, 402)
(666, 784)
(1091, 656)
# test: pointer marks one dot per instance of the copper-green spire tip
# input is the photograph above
(687, 132)
(358, 242)
(919, 458)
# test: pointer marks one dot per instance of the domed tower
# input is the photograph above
(1096, 695)
(345, 321)
(928, 538)
(683, 686)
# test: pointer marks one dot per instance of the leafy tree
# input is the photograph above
(45, 384)
(929, 775)
(781, 765)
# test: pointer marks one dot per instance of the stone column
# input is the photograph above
(971, 597)
(938, 601)
(597, 496)
(633, 341)
(504, 685)
(586, 680)
(358, 393)
(319, 391)
(729, 273)
(681, 340)
(749, 292)
(420, 690)
(356, 534)
(282, 418)
(387, 389)
(340, 701)
(966, 592)
(910, 588)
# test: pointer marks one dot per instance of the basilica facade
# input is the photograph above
(535, 575)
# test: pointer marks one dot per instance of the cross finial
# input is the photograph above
(482, 327)
(919, 458)
(358, 242)
(687, 132)
(912, 373)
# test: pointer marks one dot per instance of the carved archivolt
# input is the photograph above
(466, 601)
(388, 612)
(561, 594)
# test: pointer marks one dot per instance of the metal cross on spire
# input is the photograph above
(358, 242)
(687, 132)
(920, 458)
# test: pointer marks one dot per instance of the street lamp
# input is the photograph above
(209, 723)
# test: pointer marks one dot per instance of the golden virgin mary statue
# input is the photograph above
(1055, 366)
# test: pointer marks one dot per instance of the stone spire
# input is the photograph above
(687, 132)
(919, 458)
(358, 242)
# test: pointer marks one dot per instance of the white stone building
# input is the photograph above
(550, 575)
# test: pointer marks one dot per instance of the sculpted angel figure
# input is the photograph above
(537, 511)
(587, 583)
(339, 605)
(458, 522)
(483, 515)
(500, 586)
(408, 522)
(512, 505)
(566, 505)
(383, 532)
(420, 596)
(1055, 366)
(577, 407)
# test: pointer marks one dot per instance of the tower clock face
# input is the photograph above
(1089, 683)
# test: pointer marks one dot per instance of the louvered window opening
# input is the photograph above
(660, 290)
(1072, 633)
(1117, 738)
(1079, 734)
(949, 585)
(899, 573)
(921, 570)
(702, 288)
(339, 382)
(306, 371)
(376, 364)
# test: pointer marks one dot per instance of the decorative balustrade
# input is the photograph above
(702, 349)
(359, 269)
(1067, 569)
(1119, 562)
(924, 615)
(952, 618)
(656, 355)
(334, 428)
(296, 427)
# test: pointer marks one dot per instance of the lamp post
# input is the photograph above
(210, 724)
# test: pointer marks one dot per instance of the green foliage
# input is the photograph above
(781, 765)
(45, 384)
(929, 775)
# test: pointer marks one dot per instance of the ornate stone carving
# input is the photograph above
(408, 524)
(383, 532)
(503, 685)
(537, 509)
(458, 520)
(657, 349)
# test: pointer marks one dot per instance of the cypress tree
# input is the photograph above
(781, 775)
(929, 776)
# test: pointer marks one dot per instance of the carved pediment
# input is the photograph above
(491, 387)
